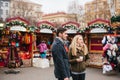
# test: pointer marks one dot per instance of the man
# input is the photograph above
(60, 58)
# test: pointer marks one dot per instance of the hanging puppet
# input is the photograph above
(110, 49)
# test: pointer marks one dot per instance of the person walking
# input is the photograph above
(78, 54)
(60, 57)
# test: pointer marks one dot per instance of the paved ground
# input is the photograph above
(33, 73)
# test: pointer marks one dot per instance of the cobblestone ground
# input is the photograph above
(33, 73)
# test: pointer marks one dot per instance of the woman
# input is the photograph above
(78, 54)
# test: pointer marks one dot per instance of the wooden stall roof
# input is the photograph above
(17, 18)
(99, 21)
(45, 22)
(71, 22)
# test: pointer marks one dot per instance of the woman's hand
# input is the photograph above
(79, 59)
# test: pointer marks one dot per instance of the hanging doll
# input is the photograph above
(13, 58)
(110, 56)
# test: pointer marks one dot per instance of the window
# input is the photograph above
(1, 11)
(6, 12)
(1, 4)
(6, 4)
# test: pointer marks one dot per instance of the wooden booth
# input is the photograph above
(94, 33)
(2, 52)
(72, 29)
(17, 42)
(46, 32)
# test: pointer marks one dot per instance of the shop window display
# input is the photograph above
(13, 61)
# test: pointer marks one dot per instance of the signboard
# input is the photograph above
(46, 31)
(98, 30)
(18, 28)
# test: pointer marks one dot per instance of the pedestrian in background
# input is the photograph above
(78, 54)
(43, 49)
(60, 57)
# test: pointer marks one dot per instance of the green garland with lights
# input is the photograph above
(96, 26)
(13, 23)
(70, 27)
(32, 28)
(45, 26)
(115, 19)
(115, 22)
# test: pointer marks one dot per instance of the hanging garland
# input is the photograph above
(115, 21)
(32, 28)
(72, 27)
(45, 26)
(13, 23)
(96, 26)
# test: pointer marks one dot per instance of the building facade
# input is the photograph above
(117, 7)
(75, 8)
(27, 9)
(59, 18)
(4, 9)
(97, 9)
(101, 9)
(114, 6)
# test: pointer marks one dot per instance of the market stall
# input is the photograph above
(45, 34)
(72, 29)
(94, 33)
(2, 53)
(17, 41)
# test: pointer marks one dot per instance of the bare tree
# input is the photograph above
(24, 8)
(75, 8)
(57, 24)
(112, 6)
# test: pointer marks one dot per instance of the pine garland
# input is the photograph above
(97, 25)
(45, 26)
(115, 21)
(13, 23)
(72, 27)
(32, 28)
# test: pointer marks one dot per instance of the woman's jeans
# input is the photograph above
(78, 76)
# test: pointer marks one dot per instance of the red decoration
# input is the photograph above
(24, 55)
(17, 18)
(70, 22)
(45, 22)
(101, 20)
(2, 64)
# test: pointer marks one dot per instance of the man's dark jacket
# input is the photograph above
(60, 58)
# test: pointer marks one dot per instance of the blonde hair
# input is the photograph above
(73, 46)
